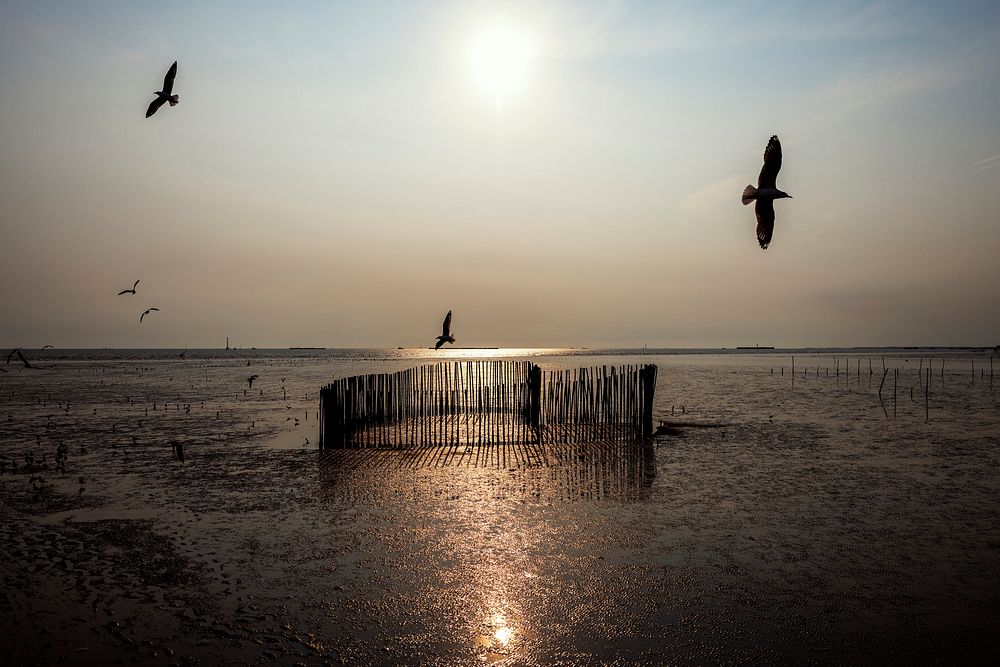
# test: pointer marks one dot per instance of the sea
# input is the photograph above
(806, 506)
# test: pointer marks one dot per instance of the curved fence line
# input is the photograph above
(473, 403)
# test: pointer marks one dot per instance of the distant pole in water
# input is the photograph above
(920, 373)
(884, 373)
(227, 342)
(927, 389)
(895, 379)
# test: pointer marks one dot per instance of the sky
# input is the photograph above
(337, 175)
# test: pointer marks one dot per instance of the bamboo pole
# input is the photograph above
(885, 372)
(927, 391)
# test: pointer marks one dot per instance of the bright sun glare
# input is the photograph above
(499, 59)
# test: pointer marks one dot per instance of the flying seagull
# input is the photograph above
(129, 291)
(445, 336)
(251, 379)
(165, 94)
(766, 192)
(147, 313)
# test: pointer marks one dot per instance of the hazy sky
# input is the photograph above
(335, 176)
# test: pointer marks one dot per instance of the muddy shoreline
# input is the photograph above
(816, 532)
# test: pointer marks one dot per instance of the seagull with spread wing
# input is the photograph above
(165, 95)
(445, 336)
(129, 291)
(766, 192)
(148, 310)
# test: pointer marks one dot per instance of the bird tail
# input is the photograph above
(174, 99)
(749, 194)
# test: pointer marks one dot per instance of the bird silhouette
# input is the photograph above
(445, 336)
(766, 192)
(251, 379)
(129, 291)
(165, 94)
(148, 310)
(45, 347)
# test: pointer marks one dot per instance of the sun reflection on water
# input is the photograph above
(503, 633)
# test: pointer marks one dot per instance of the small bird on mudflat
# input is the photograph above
(445, 336)
(251, 379)
(766, 192)
(165, 95)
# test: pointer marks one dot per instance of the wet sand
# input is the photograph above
(810, 530)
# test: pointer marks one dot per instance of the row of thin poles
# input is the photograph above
(847, 370)
(468, 402)
(483, 403)
(924, 374)
(591, 404)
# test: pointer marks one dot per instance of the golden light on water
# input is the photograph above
(499, 59)
(503, 633)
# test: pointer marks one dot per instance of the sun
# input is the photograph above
(499, 58)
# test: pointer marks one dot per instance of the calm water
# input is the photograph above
(810, 527)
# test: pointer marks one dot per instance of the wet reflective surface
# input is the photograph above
(810, 528)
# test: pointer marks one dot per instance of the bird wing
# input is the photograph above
(134, 286)
(156, 309)
(126, 291)
(764, 208)
(446, 329)
(154, 105)
(438, 345)
(168, 80)
(772, 164)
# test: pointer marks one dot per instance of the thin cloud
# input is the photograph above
(983, 165)
(715, 195)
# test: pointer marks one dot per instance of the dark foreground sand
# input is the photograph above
(811, 530)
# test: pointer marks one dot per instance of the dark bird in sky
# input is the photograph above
(766, 192)
(148, 310)
(251, 379)
(165, 94)
(445, 336)
(129, 291)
